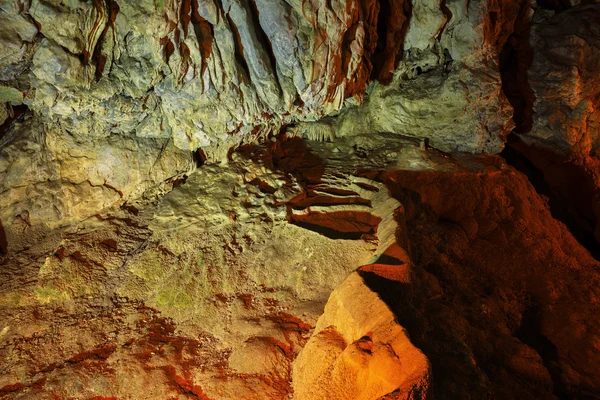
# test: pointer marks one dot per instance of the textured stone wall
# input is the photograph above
(212, 74)
(164, 229)
(106, 99)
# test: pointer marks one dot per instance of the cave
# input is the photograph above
(299, 199)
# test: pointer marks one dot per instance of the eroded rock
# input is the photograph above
(214, 75)
(359, 351)
(558, 110)
(564, 79)
(126, 269)
(52, 179)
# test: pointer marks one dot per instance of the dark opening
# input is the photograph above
(558, 208)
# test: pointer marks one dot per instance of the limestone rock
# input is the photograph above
(560, 132)
(213, 289)
(446, 89)
(212, 75)
(359, 351)
(165, 231)
(201, 258)
(53, 179)
(564, 78)
(518, 303)
(215, 75)
(17, 37)
(194, 71)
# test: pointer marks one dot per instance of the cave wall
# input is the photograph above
(188, 187)
(88, 79)
(214, 74)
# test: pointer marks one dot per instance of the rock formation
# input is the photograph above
(358, 351)
(285, 199)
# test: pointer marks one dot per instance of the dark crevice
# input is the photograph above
(304, 205)
(204, 34)
(199, 158)
(168, 48)
(529, 333)
(17, 114)
(379, 56)
(448, 14)
(336, 191)
(264, 39)
(515, 59)
(263, 186)
(311, 199)
(112, 8)
(554, 5)
(392, 26)
(3, 241)
(580, 226)
(397, 295)
(366, 186)
(389, 260)
(328, 232)
(338, 224)
(493, 19)
(239, 49)
(178, 181)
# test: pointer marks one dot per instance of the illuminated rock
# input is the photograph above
(359, 351)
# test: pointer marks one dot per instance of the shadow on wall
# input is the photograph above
(484, 302)
(16, 113)
(515, 59)
(565, 177)
(3, 241)
(568, 186)
(293, 156)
